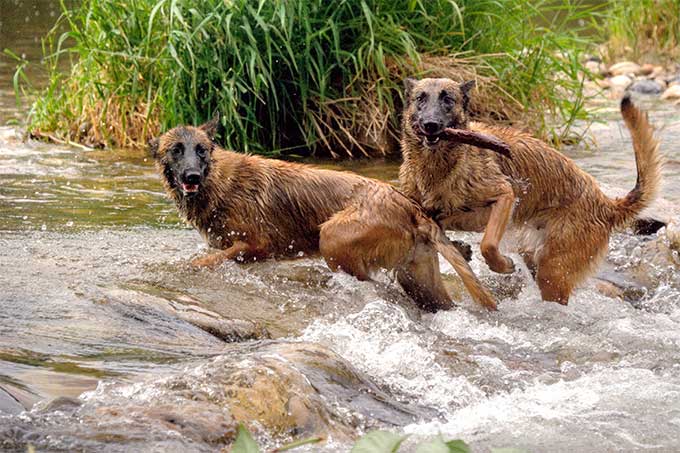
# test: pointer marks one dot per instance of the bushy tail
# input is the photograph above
(648, 163)
(479, 293)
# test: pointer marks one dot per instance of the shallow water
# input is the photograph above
(98, 343)
(95, 271)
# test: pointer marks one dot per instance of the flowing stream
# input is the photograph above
(98, 333)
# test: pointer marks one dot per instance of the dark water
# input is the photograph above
(23, 24)
(94, 277)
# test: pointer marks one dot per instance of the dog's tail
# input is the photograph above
(648, 161)
(479, 293)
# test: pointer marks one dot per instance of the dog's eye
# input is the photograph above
(421, 98)
(200, 151)
(448, 100)
(178, 149)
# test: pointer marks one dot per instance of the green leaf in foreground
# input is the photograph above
(244, 442)
(298, 443)
(378, 442)
(439, 446)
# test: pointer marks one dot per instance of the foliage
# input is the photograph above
(378, 442)
(637, 28)
(301, 76)
(372, 442)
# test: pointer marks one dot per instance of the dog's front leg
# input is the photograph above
(501, 211)
(215, 259)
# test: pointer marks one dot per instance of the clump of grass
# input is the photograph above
(302, 76)
(643, 28)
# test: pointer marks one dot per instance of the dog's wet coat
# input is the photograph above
(563, 217)
(255, 208)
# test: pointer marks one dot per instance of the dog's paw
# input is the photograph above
(503, 266)
(208, 261)
(464, 248)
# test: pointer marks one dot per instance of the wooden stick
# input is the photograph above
(478, 139)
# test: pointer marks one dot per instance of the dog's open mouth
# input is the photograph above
(189, 188)
(432, 139)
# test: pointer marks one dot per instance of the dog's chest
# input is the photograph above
(461, 188)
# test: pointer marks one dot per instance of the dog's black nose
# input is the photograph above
(432, 127)
(192, 177)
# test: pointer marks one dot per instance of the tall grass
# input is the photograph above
(648, 29)
(302, 76)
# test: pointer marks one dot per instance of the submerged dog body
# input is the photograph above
(254, 208)
(562, 217)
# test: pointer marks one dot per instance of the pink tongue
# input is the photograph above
(190, 187)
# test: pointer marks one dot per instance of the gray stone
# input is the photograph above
(645, 86)
(674, 80)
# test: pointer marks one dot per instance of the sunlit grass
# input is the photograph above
(648, 29)
(302, 76)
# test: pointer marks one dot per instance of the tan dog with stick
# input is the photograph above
(562, 217)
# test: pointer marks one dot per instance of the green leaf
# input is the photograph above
(439, 446)
(244, 442)
(378, 442)
(435, 446)
(458, 446)
(299, 443)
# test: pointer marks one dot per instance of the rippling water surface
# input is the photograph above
(110, 341)
(94, 274)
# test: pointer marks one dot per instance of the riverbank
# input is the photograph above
(302, 77)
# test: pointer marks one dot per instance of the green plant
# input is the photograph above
(636, 28)
(372, 442)
(304, 76)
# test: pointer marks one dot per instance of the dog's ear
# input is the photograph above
(465, 89)
(153, 147)
(409, 83)
(212, 127)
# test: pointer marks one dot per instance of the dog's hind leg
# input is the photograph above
(565, 261)
(358, 244)
(421, 279)
(350, 242)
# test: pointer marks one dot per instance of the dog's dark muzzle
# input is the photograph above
(431, 131)
(190, 181)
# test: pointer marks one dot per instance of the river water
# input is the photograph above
(95, 280)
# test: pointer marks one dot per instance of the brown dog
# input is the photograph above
(563, 219)
(253, 208)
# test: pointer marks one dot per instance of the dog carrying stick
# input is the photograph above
(479, 140)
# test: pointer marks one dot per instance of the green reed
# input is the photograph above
(302, 76)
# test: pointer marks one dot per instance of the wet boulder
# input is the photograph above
(625, 67)
(642, 265)
(620, 82)
(672, 92)
(278, 389)
(645, 86)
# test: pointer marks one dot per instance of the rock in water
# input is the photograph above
(277, 388)
(673, 92)
(645, 86)
(620, 82)
(625, 67)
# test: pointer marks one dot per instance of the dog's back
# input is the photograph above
(283, 204)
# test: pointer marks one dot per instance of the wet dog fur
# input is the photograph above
(251, 208)
(563, 219)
